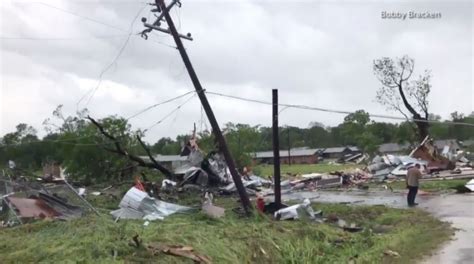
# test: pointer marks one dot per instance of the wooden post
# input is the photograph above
(276, 150)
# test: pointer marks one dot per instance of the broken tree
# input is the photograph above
(121, 151)
(396, 86)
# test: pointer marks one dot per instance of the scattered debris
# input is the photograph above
(31, 208)
(178, 250)
(210, 209)
(26, 201)
(297, 211)
(391, 253)
(260, 203)
(470, 185)
(343, 224)
(137, 204)
(168, 183)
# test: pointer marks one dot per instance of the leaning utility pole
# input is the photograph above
(164, 10)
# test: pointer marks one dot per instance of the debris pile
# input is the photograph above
(433, 164)
(23, 201)
(137, 204)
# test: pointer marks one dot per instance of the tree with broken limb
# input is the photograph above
(121, 151)
(397, 88)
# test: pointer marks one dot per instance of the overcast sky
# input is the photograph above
(317, 53)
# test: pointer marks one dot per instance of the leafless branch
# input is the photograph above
(121, 151)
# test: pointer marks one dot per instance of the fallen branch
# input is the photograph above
(121, 151)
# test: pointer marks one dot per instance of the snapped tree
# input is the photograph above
(398, 89)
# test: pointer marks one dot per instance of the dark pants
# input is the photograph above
(412, 190)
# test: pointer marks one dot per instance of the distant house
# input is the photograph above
(171, 162)
(339, 152)
(296, 156)
(394, 148)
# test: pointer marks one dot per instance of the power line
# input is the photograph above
(15, 38)
(83, 2)
(334, 111)
(83, 17)
(158, 104)
(169, 114)
(62, 38)
(66, 142)
(124, 45)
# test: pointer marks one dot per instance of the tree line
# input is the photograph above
(76, 143)
(89, 155)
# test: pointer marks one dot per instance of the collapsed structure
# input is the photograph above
(23, 201)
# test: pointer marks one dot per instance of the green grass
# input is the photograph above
(267, 170)
(231, 239)
(434, 186)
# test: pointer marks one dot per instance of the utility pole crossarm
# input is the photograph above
(157, 23)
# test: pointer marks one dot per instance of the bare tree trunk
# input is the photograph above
(423, 129)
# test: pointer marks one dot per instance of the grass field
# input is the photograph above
(231, 239)
(267, 170)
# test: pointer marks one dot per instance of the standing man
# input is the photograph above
(413, 177)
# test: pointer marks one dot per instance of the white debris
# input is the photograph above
(470, 185)
(167, 183)
(81, 191)
(136, 204)
(296, 211)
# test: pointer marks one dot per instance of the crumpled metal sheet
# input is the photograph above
(218, 166)
(195, 175)
(195, 157)
(137, 204)
(259, 180)
(31, 208)
(67, 211)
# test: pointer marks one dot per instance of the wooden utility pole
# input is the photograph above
(289, 146)
(276, 150)
(202, 96)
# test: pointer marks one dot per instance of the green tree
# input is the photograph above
(355, 131)
(241, 140)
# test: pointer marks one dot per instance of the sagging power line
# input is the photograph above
(169, 114)
(335, 111)
(157, 104)
(124, 45)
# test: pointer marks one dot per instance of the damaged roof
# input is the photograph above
(284, 153)
(341, 149)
